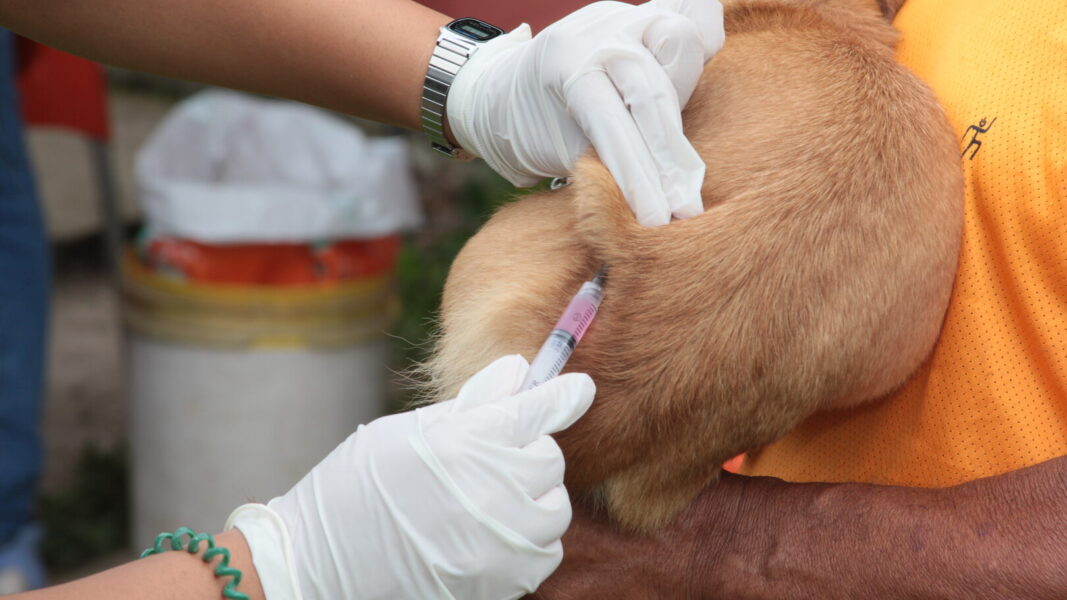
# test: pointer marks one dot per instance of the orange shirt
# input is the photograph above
(993, 395)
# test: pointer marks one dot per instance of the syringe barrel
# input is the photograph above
(550, 358)
(568, 331)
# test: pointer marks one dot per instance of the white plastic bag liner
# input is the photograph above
(225, 167)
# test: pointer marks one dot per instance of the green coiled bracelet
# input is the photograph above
(223, 569)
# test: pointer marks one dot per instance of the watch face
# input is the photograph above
(479, 31)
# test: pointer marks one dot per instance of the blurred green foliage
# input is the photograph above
(90, 517)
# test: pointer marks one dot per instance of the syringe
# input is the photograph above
(567, 333)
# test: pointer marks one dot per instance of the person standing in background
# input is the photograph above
(24, 289)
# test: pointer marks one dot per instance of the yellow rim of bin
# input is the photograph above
(305, 316)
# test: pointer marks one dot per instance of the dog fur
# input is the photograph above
(817, 278)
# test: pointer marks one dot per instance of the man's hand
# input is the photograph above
(611, 75)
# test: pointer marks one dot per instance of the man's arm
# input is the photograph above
(365, 57)
(999, 537)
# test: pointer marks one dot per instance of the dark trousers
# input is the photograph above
(24, 289)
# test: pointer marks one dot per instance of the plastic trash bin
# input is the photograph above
(238, 390)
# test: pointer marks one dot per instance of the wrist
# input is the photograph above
(456, 46)
(475, 83)
(448, 130)
(427, 33)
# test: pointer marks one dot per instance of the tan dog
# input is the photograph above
(817, 279)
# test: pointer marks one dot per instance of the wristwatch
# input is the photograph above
(459, 40)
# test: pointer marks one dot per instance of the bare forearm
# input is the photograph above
(363, 57)
(763, 538)
(993, 538)
(168, 576)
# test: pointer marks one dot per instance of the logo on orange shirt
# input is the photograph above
(974, 131)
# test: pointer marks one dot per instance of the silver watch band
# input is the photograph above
(449, 55)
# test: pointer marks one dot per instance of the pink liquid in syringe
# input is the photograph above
(578, 316)
(565, 336)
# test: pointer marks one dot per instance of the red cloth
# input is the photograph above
(62, 90)
(508, 15)
(273, 264)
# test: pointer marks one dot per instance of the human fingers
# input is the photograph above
(499, 379)
(678, 47)
(649, 93)
(541, 467)
(540, 521)
(596, 106)
(557, 504)
(520, 419)
(706, 15)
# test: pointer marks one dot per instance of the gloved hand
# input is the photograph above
(610, 74)
(462, 499)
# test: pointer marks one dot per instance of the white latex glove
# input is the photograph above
(462, 499)
(611, 74)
